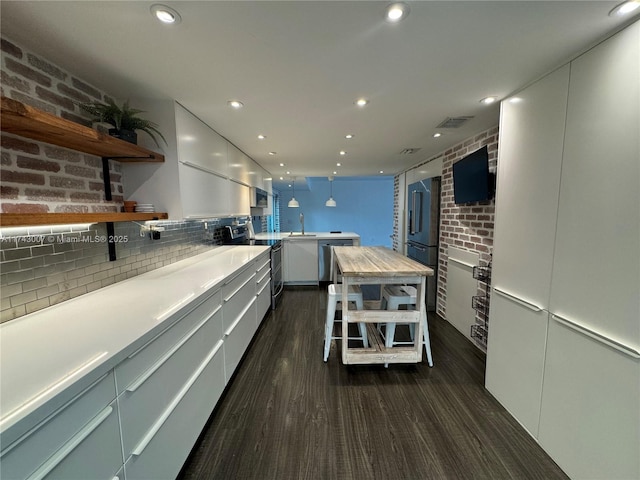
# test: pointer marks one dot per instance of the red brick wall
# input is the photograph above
(38, 177)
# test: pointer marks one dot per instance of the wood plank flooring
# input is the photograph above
(288, 415)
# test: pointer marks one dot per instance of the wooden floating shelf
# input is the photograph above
(32, 219)
(26, 121)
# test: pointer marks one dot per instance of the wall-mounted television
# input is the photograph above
(472, 180)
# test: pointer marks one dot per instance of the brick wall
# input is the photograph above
(37, 177)
(469, 227)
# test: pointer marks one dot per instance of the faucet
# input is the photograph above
(302, 222)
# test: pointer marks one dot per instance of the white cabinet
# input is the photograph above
(564, 336)
(590, 418)
(515, 366)
(598, 239)
(528, 182)
(203, 175)
(263, 287)
(144, 401)
(168, 444)
(199, 145)
(80, 440)
(530, 160)
(301, 261)
(239, 199)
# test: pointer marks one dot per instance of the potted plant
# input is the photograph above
(124, 119)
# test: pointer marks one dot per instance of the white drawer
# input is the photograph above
(263, 302)
(145, 399)
(237, 338)
(262, 265)
(169, 440)
(144, 358)
(237, 294)
(43, 446)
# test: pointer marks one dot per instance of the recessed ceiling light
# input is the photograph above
(281, 178)
(335, 173)
(235, 104)
(349, 136)
(165, 14)
(381, 171)
(361, 102)
(624, 8)
(437, 134)
(288, 172)
(282, 164)
(342, 152)
(261, 137)
(488, 100)
(396, 12)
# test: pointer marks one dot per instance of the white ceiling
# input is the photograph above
(299, 66)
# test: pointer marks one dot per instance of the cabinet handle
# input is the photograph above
(263, 265)
(227, 298)
(68, 447)
(518, 300)
(262, 290)
(621, 347)
(239, 317)
(145, 376)
(174, 403)
(263, 277)
(455, 260)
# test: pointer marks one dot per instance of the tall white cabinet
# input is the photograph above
(530, 157)
(564, 337)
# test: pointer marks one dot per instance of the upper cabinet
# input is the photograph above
(199, 145)
(204, 175)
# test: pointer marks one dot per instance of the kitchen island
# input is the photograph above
(381, 266)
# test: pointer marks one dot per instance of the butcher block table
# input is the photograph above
(380, 266)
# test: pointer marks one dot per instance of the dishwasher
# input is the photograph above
(324, 256)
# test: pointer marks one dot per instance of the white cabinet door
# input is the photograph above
(529, 162)
(203, 194)
(239, 198)
(240, 165)
(515, 365)
(198, 144)
(590, 418)
(301, 261)
(596, 273)
(165, 450)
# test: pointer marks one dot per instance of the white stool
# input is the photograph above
(334, 296)
(392, 297)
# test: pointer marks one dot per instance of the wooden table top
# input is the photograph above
(377, 262)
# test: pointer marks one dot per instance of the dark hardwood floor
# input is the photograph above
(288, 415)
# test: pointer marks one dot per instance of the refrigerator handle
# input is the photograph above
(412, 228)
(419, 211)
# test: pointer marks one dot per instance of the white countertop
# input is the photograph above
(47, 351)
(307, 236)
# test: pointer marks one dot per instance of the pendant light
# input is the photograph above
(293, 203)
(331, 202)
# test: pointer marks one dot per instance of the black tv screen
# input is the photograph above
(472, 180)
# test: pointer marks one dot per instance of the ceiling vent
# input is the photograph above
(409, 151)
(454, 122)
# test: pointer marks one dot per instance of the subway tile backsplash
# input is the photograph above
(43, 266)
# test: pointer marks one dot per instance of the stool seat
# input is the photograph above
(392, 297)
(334, 296)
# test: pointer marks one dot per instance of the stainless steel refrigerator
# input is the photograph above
(423, 224)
